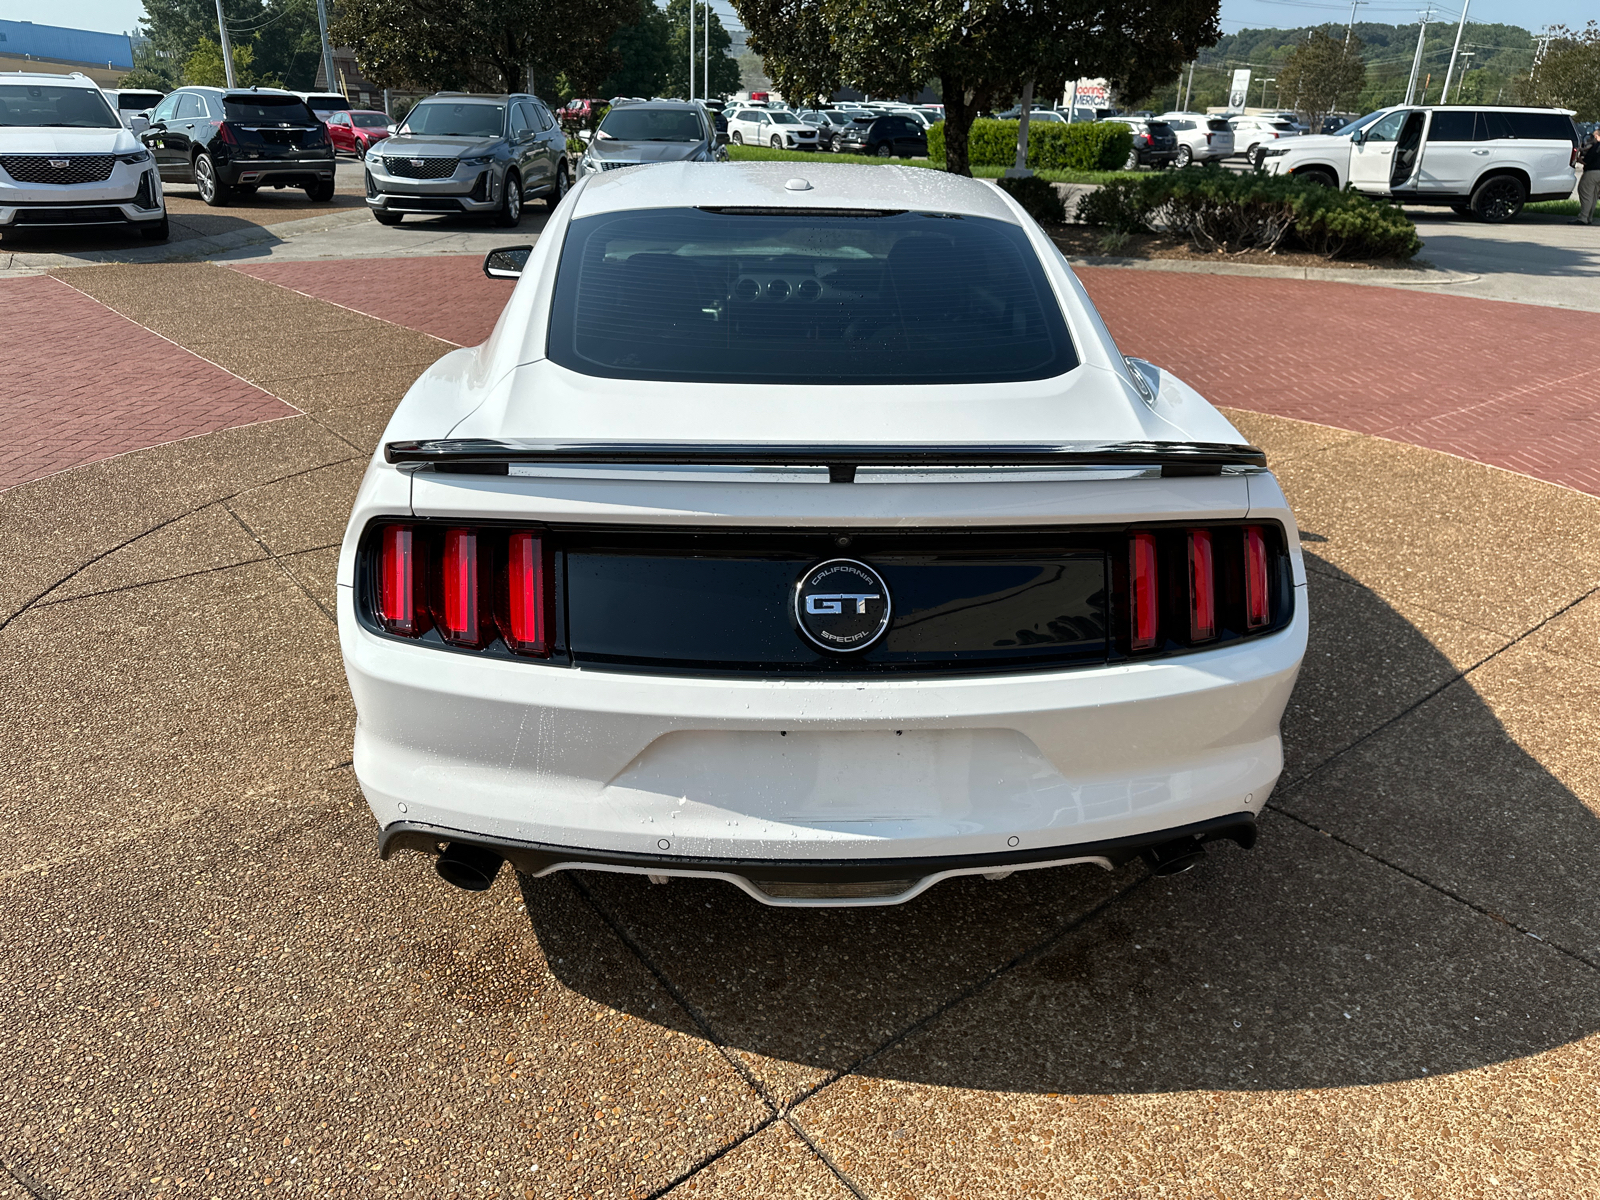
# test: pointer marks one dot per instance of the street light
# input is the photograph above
(1264, 82)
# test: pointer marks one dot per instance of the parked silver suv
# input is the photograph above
(66, 161)
(461, 153)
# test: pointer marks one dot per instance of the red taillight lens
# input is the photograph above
(525, 626)
(1202, 587)
(397, 582)
(1144, 139)
(458, 593)
(1142, 590)
(225, 134)
(1257, 602)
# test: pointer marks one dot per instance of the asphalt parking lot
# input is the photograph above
(218, 990)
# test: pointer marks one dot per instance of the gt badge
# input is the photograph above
(841, 605)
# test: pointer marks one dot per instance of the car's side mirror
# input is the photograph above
(722, 139)
(506, 262)
(1359, 137)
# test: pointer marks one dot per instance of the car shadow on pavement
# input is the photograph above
(1417, 904)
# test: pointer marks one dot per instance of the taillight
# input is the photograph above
(1208, 139)
(1202, 587)
(397, 582)
(524, 625)
(1143, 594)
(1144, 139)
(457, 617)
(1257, 602)
(225, 134)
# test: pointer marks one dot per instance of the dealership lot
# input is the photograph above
(220, 985)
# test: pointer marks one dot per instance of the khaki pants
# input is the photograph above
(1588, 193)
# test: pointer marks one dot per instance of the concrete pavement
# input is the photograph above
(217, 990)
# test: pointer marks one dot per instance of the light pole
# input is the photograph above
(1350, 28)
(1444, 96)
(1264, 82)
(691, 49)
(227, 47)
(1416, 62)
(327, 51)
(1466, 65)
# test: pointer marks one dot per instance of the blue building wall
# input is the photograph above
(18, 38)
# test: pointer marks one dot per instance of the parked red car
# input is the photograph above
(354, 132)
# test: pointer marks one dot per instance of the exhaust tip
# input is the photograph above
(470, 868)
(1174, 858)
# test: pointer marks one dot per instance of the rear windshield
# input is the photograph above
(138, 101)
(370, 120)
(652, 125)
(274, 109)
(768, 296)
(50, 105)
(440, 118)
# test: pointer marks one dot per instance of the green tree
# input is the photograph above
(1322, 75)
(1569, 74)
(644, 54)
(794, 39)
(153, 68)
(724, 70)
(980, 51)
(205, 67)
(482, 45)
(280, 34)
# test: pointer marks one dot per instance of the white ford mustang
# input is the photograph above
(811, 534)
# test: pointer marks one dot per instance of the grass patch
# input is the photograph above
(1554, 208)
(767, 154)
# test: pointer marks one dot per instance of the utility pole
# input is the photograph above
(327, 52)
(1188, 91)
(691, 49)
(1416, 62)
(1466, 66)
(1544, 40)
(1444, 96)
(227, 46)
(1349, 28)
(705, 73)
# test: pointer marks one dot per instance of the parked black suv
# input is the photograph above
(891, 136)
(1154, 142)
(228, 142)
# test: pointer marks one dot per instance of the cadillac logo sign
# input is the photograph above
(60, 164)
(416, 162)
(842, 605)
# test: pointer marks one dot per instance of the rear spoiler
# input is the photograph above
(493, 456)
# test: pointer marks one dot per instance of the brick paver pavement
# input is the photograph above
(447, 296)
(81, 383)
(1505, 384)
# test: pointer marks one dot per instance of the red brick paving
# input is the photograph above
(82, 383)
(1511, 385)
(441, 296)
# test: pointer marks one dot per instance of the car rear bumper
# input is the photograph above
(298, 172)
(661, 774)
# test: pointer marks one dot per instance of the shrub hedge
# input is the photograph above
(1040, 198)
(1052, 145)
(1218, 210)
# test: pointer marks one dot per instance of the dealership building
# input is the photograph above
(103, 57)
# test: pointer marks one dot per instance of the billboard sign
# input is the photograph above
(1239, 93)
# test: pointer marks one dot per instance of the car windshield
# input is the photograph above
(1358, 123)
(785, 118)
(138, 101)
(274, 109)
(652, 125)
(370, 120)
(50, 105)
(768, 296)
(440, 118)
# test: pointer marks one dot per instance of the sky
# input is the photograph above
(122, 16)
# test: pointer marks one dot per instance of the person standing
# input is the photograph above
(1589, 184)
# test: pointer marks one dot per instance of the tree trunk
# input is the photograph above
(1020, 170)
(958, 110)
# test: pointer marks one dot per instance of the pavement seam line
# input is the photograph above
(297, 410)
(84, 566)
(1575, 955)
(1459, 676)
(826, 1158)
(274, 558)
(776, 1112)
(27, 1183)
(128, 587)
(348, 308)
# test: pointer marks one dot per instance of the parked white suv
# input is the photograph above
(1485, 162)
(1200, 138)
(764, 127)
(67, 161)
(1253, 134)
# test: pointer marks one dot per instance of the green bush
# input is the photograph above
(1052, 145)
(1039, 198)
(1218, 210)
